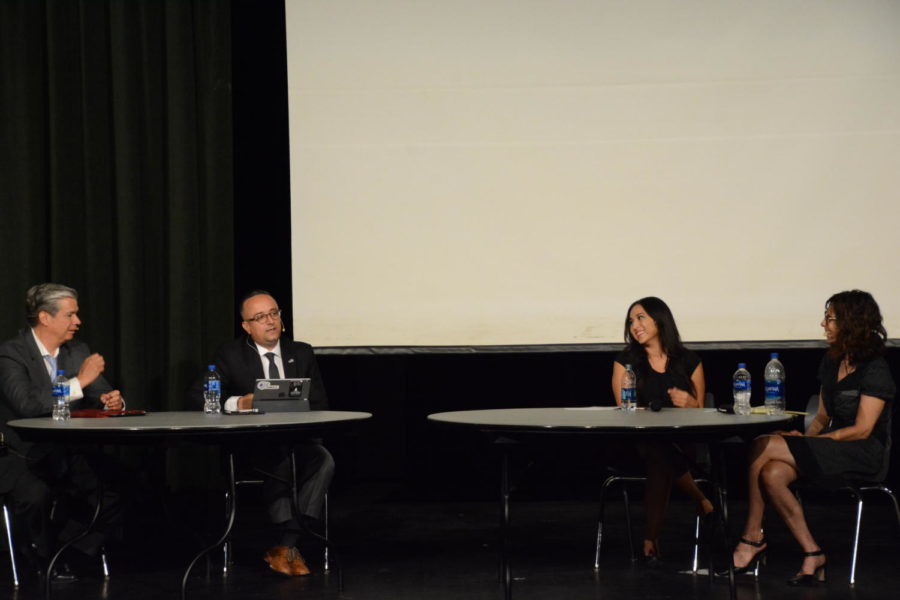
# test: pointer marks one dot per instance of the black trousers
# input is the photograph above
(72, 475)
(28, 498)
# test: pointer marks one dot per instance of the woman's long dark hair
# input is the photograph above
(860, 331)
(669, 339)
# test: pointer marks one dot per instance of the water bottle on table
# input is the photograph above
(212, 392)
(629, 390)
(774, 376)
(741, 389)
(61, 397)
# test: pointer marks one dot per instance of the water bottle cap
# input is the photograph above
(627, 367)
(773, 355)
(742, 365)
(211, 368)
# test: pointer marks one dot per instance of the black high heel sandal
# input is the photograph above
(759, 557)
(810, 580)
(652, 560)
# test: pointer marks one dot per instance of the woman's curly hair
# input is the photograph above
(860, 332)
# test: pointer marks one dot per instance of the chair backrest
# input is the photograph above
(812, 407)
(886, 463)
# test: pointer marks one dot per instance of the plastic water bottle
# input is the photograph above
(741, 389)
(774, 376)
(212, 392)
(61, 397)
(629, 390)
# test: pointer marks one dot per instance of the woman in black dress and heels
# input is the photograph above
(847, 437)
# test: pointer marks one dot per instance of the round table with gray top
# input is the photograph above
(185, 426)
(550, 424)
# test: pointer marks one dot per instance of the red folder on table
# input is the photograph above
(99, 413)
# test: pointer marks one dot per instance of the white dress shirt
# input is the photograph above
(75, 391)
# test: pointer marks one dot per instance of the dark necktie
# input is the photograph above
(273, 368)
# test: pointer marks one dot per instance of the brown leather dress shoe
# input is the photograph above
(286, 560)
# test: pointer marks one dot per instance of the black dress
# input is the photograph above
(653, 386)
(824, 458)
(652, 390)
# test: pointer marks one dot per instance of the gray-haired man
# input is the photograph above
(28, 364)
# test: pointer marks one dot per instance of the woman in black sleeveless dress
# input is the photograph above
(668, 375)
(847, 438)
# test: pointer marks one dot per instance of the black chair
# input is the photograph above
(626, 480)
(228, 558)
(856, 488)
(7, 524)
(9, 542)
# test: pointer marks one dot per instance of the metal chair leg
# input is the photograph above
(858, 493)
(628, 523)
(12, 552)
(603, 488)
(613, 479)
(859, 512)
(893, 498)
(696, 562)
(326, 566)
(103, 564)
(227, 558)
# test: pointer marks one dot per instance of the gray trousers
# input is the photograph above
(315, 469)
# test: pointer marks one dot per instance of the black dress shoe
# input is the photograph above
(61, 573)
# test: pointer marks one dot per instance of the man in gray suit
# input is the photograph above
(28, 363)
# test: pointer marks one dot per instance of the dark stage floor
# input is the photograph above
(393, 548)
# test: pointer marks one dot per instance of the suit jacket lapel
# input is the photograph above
(37, 364)
(253, 362)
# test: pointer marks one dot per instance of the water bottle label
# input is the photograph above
(59, 389)
(774, 389)
(214, 385)
(628, 395)
(741, 385)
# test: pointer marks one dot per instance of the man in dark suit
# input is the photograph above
(28, 363)
(265, 353)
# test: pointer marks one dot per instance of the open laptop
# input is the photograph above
(282, 395)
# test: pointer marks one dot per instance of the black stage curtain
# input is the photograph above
(116, 144)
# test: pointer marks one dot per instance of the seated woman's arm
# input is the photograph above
(684, 399)
(867, 415)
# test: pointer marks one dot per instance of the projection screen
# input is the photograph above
(516, 172)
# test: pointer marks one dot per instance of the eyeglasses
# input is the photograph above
(828, 318)
(273, 314)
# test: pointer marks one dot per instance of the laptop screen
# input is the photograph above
(282, 395)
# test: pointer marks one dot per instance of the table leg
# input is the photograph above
(90, 526)
(225, 534)
(718, 475)
(505, 575)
